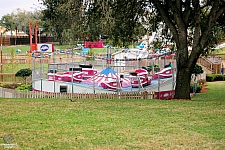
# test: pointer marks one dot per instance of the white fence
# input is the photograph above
(11, 93)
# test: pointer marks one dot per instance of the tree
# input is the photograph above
(24, 73)
(87, 19)
(196, 23)
(182, 16)
(6, 21)
(196, 71)
(118, 19)
(19, 19)
(59, 16)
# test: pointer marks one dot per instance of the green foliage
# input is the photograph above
(157, 44)
(58, 21)
(24, 87)
(148, 68)
(10, 86)
(215, 77)
(18, 20)
(156, 68)
(201, 81)
(6, 21)
(209, 77)
(197, 70)
(10, 67)
(198, 88)
(24, 73)
(90, 53)
(219, 77)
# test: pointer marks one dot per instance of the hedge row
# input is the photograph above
(215, 77)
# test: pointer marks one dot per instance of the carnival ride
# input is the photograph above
(106, 79)
(74, 75)
(111, 84)
(140, 78)
(164, 73)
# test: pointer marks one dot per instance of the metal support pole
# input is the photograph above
(139, 81)
(41, 74)
(158, 80)
(33, 70)
(172, 80)
(164, 59)
(54, 69)
(72, 72)
(39, 31)
(93, 75)
(93, 85)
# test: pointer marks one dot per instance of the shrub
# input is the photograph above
(24, 87)
(198, 90)
(215, 77)
(219, 77)
(24, 73)
(156, 69)
(209, 77)
(197, 70)
(149, 68)
(10, 86)
(90, 54)
(201, 81)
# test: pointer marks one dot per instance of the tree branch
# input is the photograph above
(216, 10)
(167, 19)
(187, 12)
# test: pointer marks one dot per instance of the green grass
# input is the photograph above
(24, 48)
(8, 49)
(117, 124)
(13, 68)
(221, 53)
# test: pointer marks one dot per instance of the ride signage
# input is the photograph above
(46, 48)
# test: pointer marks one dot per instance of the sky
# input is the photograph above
(9, 6)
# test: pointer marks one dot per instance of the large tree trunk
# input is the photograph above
(182, 89)
(185, 66)
(182, 17)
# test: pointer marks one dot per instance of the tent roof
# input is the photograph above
(107, 71)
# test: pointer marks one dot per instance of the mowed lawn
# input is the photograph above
(117, 124)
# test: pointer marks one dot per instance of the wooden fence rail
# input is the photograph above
(11, 93)
(10, 78)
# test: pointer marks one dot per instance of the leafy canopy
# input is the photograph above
(24, 73)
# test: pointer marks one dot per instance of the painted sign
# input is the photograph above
(164, 95)
(93, 44)
(46, 48)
